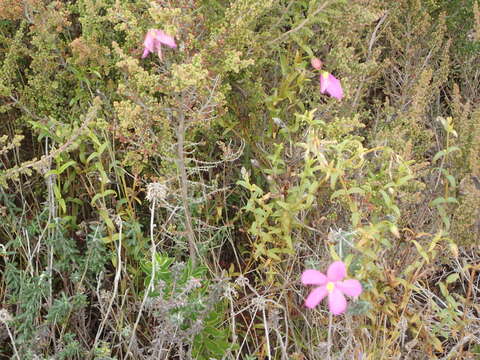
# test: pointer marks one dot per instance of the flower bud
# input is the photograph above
(316, 63)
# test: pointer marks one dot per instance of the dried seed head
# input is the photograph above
(259, 302)
(242, 281)
(229, 292)
(117, 220)
(5, 316)
(156, 191)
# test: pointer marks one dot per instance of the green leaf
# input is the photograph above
(333, 178)
(354, 190)
(57, 192)
(110, 238)
(355, 219)
(445, 152)
(452, 278)
(65, 166)
(284, 205)
(359, 307)
(403, 180)
(443, 289)
(106, 218)
(338, 193)
(438, 155)
(62, 204)
(74, 200)
(91, 157)
(102, 195)
(421, 251)
(442, 200)
(271, 253)
(444, 216)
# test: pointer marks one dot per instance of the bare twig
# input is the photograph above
(115, 284)
(47, 158)
(10, 335)
(184, 186)
(151, 284)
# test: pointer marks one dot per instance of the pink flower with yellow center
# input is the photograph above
(330, 85)
(332, 285)
(154, 40)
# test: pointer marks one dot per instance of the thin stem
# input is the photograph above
(232, 316)
(265, 324)
(52, 215)
(466, 305)
(12, 340)
(443, 162)
(184, 187)
(329, 338)
(151, 284)
(115, 286)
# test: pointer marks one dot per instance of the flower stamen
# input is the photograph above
(330, 286)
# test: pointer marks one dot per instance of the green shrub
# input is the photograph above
(179, 197)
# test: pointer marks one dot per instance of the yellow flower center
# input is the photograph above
(330, 286)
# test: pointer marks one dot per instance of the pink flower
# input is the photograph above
(154, 40)
(316, 63)
(331, 85)
(331, 285)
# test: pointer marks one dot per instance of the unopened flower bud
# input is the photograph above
(316, 63)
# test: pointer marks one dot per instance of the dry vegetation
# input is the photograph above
(166, 208)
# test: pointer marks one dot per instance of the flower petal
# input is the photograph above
(313, 277)
(336, 271)
(316, 296)
(149, 42)
(324, 76)
(350, 287)
(166, 39)
(145, 53)
(334, 87)
(337, 303)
